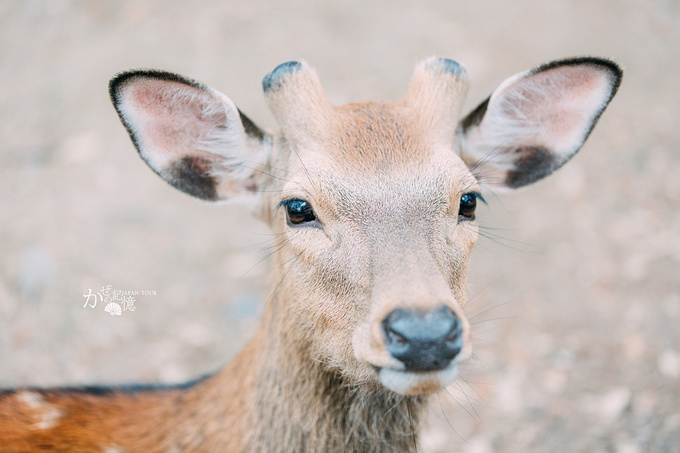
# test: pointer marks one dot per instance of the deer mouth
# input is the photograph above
(417, 382)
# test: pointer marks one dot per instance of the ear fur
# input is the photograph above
(437, 91)
(537, 120)
(297, 100)
(191, 135)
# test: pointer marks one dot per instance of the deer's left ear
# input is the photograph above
(537, 120)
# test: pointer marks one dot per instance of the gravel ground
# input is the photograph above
(575, 290)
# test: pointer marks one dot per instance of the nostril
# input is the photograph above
(393, 336)
(455, 332)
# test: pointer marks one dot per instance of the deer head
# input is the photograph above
(374, 202)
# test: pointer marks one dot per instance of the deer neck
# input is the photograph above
(300, 405)
(274, 398)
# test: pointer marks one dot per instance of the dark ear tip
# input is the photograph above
(272, 79)
(607, 64)
(604, 63)
(615, 70)
(451, 66)
(119, 80)
(447, 65)
(611, 65)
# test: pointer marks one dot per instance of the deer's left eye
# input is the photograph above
(468, 204)
(298, 211)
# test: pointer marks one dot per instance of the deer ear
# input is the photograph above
(191, 135)
(537, 120)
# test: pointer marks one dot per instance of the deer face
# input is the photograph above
(377, 218)
(373, 202)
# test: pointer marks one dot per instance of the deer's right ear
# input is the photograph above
(191, 135)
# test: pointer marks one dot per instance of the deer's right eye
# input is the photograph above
(468, 204)
(298, 211)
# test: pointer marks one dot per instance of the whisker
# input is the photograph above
(273, 250)
(479, 397)
(282, 278)
(477, 417)
(461, 405)
(272, 237)
(413, 431)
(493, 307)
(499, 240)
(485, 158)
(501, 318)
(265, 173)
(441, 406)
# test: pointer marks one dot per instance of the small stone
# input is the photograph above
(434, 439)
(173, 373)
(563, 359)
(669, 364)
(508, 392)
(672, 423)
(613, 403)
(196, 334)
(634, 347)
(555, 380)
(671, 306)
(246, 306)
(8, 302)
(35, 272)
(80, 148)
(627, 447)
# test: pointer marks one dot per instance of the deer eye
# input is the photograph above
(298, 211)
(468, 204)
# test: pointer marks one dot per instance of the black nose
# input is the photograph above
(426, 341)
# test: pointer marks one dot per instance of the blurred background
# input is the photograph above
(575, 286)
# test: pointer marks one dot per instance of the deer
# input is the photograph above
(375, 205)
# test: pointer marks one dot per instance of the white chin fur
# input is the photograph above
(417, 383)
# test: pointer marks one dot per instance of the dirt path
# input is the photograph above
(577, 286)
